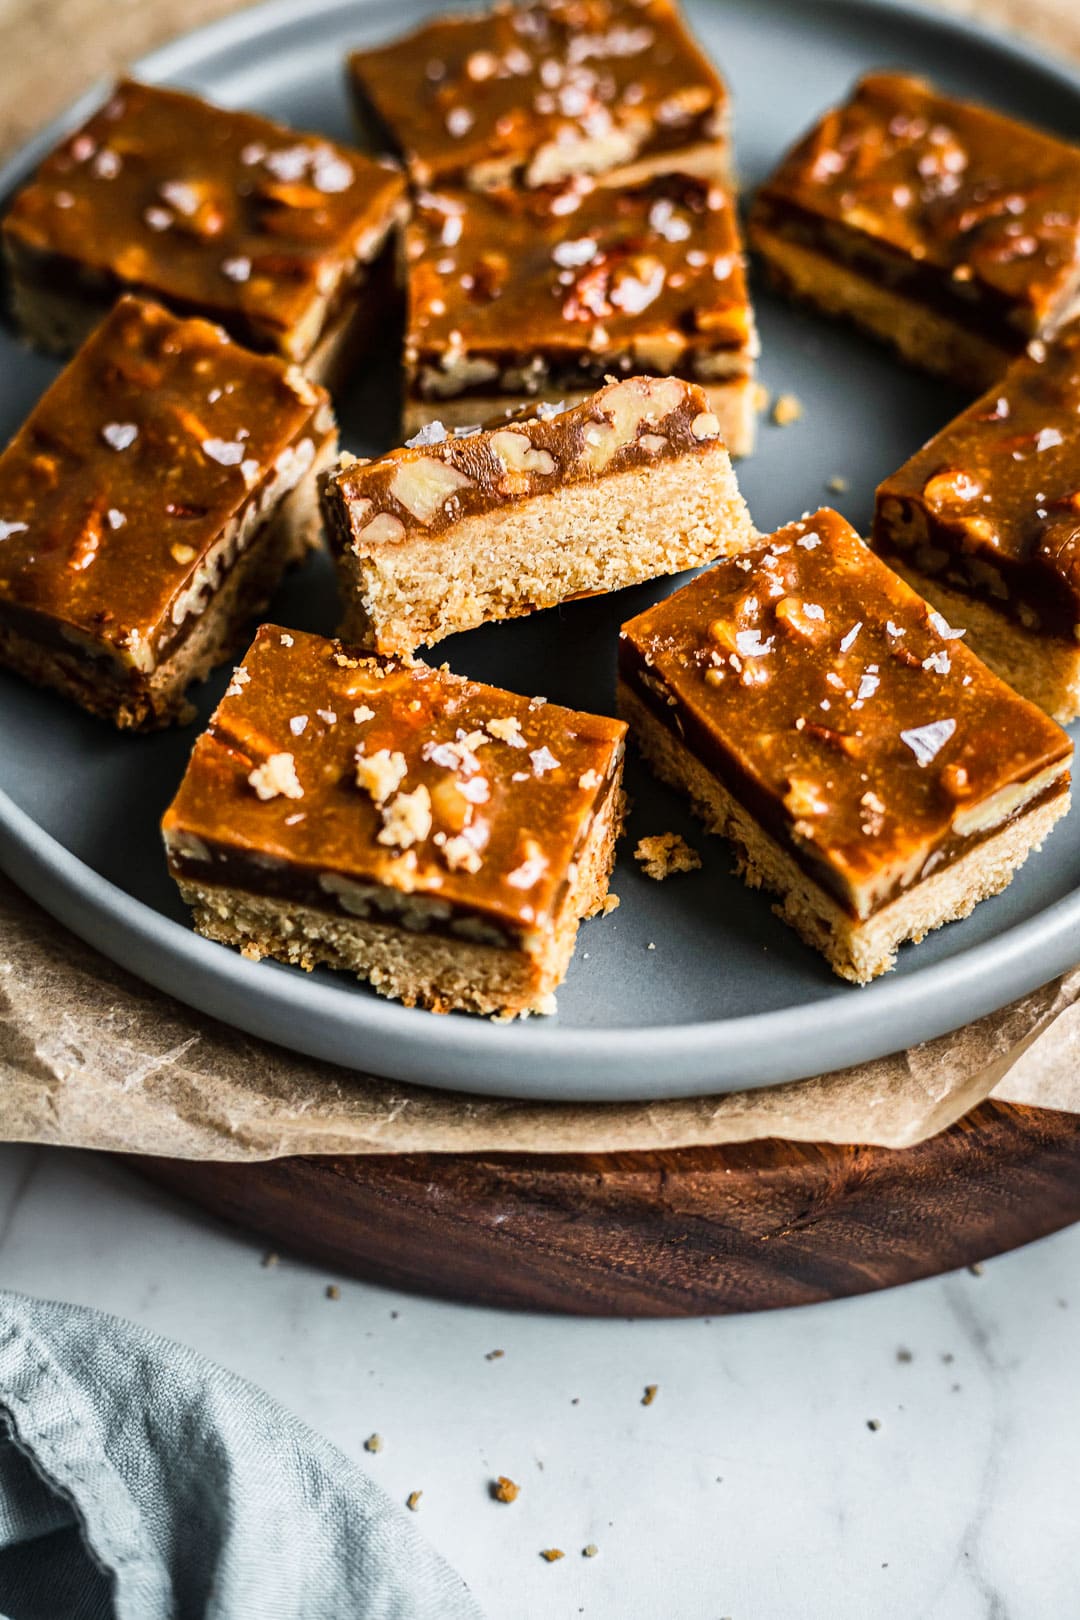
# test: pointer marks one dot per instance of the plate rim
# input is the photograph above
(616, 1063)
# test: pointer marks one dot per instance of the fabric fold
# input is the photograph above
(142, 1482)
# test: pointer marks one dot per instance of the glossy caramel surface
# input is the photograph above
(992, 503)
(215, 211)
(848, 718)
(500, 789)
(501, 84)
(129, 470)
(985, 206)
(578, 275)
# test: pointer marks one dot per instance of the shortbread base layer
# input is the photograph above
(1045, 669)
(919, 334)
(733, 403)
(855, 950)
(133, 701)
(580, 540)
(422, 970)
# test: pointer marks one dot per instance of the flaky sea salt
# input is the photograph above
(944, 628)
(430, 433)
(926, 742)
(543, 760)
(119, 435)
(571, 255)
(226, 452)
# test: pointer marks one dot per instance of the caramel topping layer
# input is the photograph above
(992, 503)
(649, 272)
(522, 86)
(338, 773)
(436, 480)
(122, 496)
(990, 206)
(218, 212)
(845, 713)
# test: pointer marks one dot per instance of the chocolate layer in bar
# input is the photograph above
(440, 837)
(868, 767)
(538, 93)
(985, 520)
(214, 212)
(542, 294)
(452, 531)
(947, 229)
(148, 508)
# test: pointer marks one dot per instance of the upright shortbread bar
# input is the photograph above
(285, 239)
(946, 229)
(866, 766)
(149, 507)
(452, 531)
(521, 295)
(439, 838)
(537, 93)
(984, 521)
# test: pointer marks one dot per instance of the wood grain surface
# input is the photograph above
(694, 1231)
(698, 1231)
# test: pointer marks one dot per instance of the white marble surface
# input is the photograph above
(752, 1487)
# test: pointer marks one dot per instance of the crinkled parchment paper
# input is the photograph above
(90, 1057)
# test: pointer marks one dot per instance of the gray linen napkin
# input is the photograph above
(140, 1482)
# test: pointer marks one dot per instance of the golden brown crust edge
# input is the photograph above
(420, 970)
(293, 530)
(1044, 669)
(857, 951)
(915, 331)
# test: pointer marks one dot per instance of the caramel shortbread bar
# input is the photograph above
(439, 838)
(867, 767)
(536, 93)
(148, 509)
(948, 230)
(984, 521)
(454, 530)
(285, 239)
(542, 294)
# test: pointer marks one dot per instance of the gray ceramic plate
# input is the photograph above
(728, 997)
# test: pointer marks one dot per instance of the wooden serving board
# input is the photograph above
(694, 1231)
